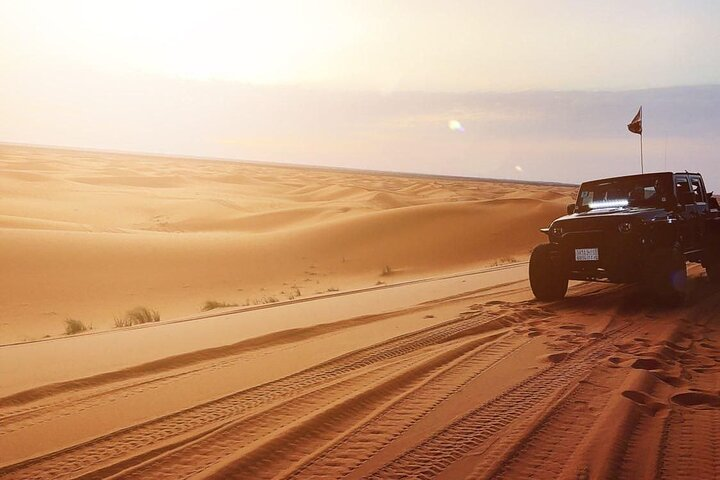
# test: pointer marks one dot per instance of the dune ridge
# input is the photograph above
(90, 235)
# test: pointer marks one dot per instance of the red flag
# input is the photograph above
(636, 125)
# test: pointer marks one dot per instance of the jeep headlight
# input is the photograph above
(625, 227)
(556, 230)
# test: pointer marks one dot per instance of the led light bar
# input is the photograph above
(610, 204)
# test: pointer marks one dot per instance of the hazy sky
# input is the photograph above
(543, 90)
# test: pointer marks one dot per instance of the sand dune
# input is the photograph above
(92, 235)
(383, 328)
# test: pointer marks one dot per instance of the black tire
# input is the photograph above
(713, 272)
(666, 277)
(712, 266)
(547, 278)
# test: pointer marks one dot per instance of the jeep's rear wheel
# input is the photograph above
(712, 267)
(713, 273)
(666, 276)
(547, 279)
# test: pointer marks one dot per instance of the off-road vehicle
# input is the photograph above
(637, 228)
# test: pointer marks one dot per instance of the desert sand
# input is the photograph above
(441, 365)
(92, 235)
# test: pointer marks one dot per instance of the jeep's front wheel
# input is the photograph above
(547, 278)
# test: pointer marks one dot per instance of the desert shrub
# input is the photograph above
(73, 326)
(386, 270)
(122, 322)
(137, 316)
(503, 261)
(265, 299)
(213, 304)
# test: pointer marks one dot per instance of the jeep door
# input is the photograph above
(687, 213)
(701, 209)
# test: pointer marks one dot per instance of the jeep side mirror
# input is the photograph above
(571, 209)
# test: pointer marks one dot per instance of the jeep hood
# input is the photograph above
(600, 217)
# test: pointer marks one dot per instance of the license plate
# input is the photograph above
(586, 255)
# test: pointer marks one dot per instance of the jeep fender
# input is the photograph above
(663, 233)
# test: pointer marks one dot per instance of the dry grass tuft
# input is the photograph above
(73, 326)
(386, 271)
(137, 316)
(503, 261)
(294, 293)
(266, 299)
(121, 322)
(213, 304)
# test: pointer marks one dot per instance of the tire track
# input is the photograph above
(642, 456)
(159, 432)
(27, 417)
(302, 423)
(691, 445)
(548, 445)
(356, 446)
(104, 387)
(434, 455)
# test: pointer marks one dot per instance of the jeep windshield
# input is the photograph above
(651, 190)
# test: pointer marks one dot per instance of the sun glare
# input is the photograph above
(253, 42)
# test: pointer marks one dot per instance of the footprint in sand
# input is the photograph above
(557, 357)
(534, 332)
(648, 402)
(647, 364)
(616, 361)
(696, 400)
(572, 327)
(676, 347)
(670, 380)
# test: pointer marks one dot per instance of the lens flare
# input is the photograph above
(456, 126)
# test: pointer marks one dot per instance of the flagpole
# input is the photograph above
(642, 164)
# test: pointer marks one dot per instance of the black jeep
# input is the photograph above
(638, 228)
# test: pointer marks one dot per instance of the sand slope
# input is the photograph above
(472, 381)
(91, 235)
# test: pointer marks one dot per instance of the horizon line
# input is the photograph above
(287, 165)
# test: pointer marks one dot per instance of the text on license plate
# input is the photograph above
(586, 255)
